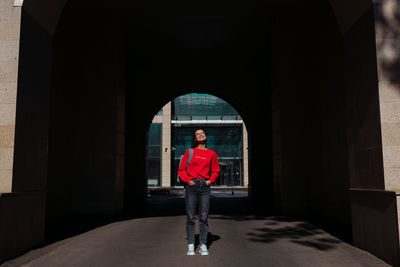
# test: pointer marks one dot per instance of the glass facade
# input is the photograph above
(153, 155)
(202, 107)
(227, 142)
(224, 129)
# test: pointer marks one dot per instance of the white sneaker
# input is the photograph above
(203, 250)
(190, 250)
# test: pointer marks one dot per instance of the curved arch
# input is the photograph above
(165, 175)
(46, 17)
(348, 12)
(162, 102)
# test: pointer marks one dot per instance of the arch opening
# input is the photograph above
(169, 136)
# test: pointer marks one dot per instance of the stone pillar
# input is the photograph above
(375, 149)
(387, 30)
(166, 146)
(387, 34)
(10, 17)
(245, 158)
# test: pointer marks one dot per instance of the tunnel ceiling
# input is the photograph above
(198, 34)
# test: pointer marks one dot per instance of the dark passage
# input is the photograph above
(236, 237)
(280, 66)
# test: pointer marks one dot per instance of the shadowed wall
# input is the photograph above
(290, 70)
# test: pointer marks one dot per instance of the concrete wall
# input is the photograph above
(387, 29)
(387, 38)
(371, 118)
(22, 211)
(331, 164)
(22, 224)
(374, 219)
(166, 146)
(309, 119)
(165, 121)
(87, 134)
(326, 113)
(10, 18)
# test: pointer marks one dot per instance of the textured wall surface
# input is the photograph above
(80, 144)
(10, 17)
(387, 30)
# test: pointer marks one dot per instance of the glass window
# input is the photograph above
(154, 155)
(226, 141)
(202, 105)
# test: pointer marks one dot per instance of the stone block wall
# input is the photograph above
(87, 116)
(10, 18)
(22, 223)
(166, 146)
(371, 122)
(309, 120)
(387, 33)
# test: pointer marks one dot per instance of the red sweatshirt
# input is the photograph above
(204, 165)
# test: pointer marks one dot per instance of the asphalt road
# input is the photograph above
(236, 238)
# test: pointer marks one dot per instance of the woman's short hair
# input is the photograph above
(194, 142)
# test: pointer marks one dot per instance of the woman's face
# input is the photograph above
(200, 136)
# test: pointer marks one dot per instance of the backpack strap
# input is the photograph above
(187, 164)
(190, 157)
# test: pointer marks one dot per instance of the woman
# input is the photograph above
(202, 171)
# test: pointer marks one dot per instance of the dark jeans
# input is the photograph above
(197, 193)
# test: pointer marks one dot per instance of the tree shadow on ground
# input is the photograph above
(274, 228)
(301, 233)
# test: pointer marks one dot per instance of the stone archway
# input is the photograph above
(298, 65)
(166, 136)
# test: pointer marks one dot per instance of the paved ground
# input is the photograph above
(235, 239)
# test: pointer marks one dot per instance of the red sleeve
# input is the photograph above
(182, 168)
(214, 168)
